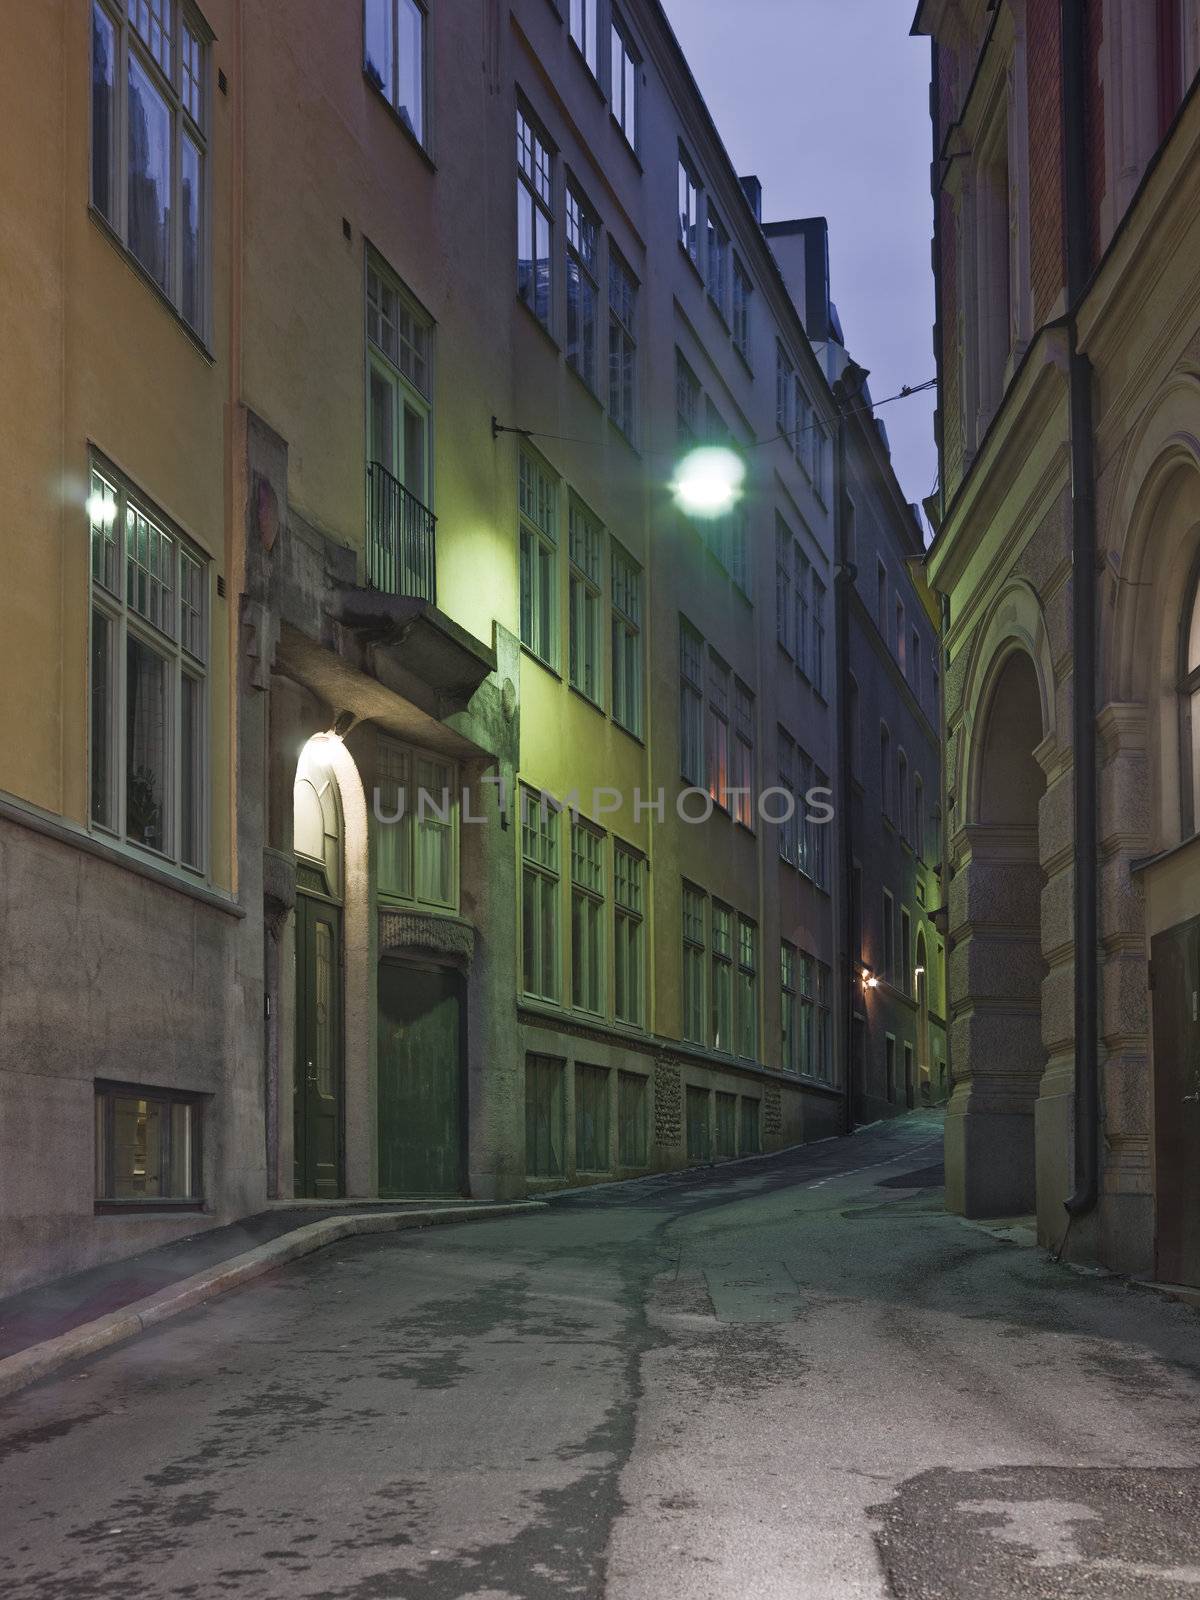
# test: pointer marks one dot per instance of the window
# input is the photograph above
(885, 770)
(889, 937)
(150, 142)
(699, 1142)
(823, 1018)
(587, 919)
(539, 896)
(417, 842)
(627, 642)
(804, 441)
(789, 1009)
(790, 828)
(902, 794)
(751, 1141)
(538, 495)
(918, 818)
(394, 41)
(1188, 693)
(783, 583)
(689, 210)
(906, 979)
(633, 1103)
(901, 643)
(800, 642)
(400, 556)
(805, 1053)
(821, 449)
(726, 1106)
(583, 292)
(785, 396)
(722, 977)
(694, 1028)
(622, 343)
(535, 217)
(687, 401)
(743, 754)
(544, 1116)
(890, 1067)
(718, 262)
(585, 664)
(804, 827)
(629, 960)
(817, 671)
(854, 718)
(591, 1119)
(747, 989)
(881, 601)
(625, 68)
(914, 663)
(818, 835)
(743, 292)
(148, 680)
(147, 1148)
(691, 704)
(585, 31)
(716, 731)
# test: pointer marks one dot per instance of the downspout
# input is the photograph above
(844, 575)
(1083, 510)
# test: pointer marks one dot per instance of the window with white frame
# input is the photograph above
(821, 459)
(805, 436)
(539, 896)
(535, 217)
(721, 980)
(622, 342)
(789, 1008)
(716, 730)
(817, 662)
(800, 590)
(629, 938)
(148, 676)
(805, 827)
(691, 704)
(783, 583)
(627, 692)
(416, 818)
(587, 918)
(687, 402)
(743, 754)
(399, 401)
(150, 110)
(818, 835)
(585, 31)
(718, 262)
(538, 494)
(743, 297)
(785, 378)
(625, 69)
(695, 1028)
(689, 209)
(585, 642)
(583, 289)
(394, 45)
(791, 826)
(901, 641)
(747, 989)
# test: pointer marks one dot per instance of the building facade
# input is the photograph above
(401, 794)
(1065, 178)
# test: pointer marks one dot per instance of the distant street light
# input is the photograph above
(708, 482)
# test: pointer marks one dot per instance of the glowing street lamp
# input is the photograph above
(708, 481)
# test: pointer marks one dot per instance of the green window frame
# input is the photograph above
(538, 518)
(585, 638)
(587, 918)
(540, 890)
(628, 693)
(721, 967)
(695, 1021)
(629, 936)
(417, 819)
(747, 989)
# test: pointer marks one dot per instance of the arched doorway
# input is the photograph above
(997, 1004)
(318, 842)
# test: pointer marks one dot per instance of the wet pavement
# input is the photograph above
(791, 1377)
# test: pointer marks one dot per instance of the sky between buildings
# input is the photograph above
(828, 102)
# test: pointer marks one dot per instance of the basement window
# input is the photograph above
(148, 1148)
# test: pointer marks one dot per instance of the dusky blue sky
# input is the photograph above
(828, 102)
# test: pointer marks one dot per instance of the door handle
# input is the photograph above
(310, 1073)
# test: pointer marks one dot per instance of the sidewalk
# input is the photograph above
(44, 1327)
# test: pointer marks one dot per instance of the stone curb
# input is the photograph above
(39, 1360)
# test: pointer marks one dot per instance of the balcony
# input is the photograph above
(401, 547)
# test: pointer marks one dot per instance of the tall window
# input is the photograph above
(789, 1008)
(806, 1053)
(722, 977)
(625, 68)
(800, 589)
(545, 1116)
(823, 1042)
(535, 217)
(629, 959)
(747, 989)
(854, 718)
(694, 1023)
(583, 291)
(790, 829)
(622, 343)
(918, 820)
(743, 294)
(901, 642)
(914, 663)
(539, 560)
(691, 704)
(785, 376)
(539, 896)
(906, 974)
(783, 583)
(821, 459)
(689, 209)
(417, 842)
(394, 41)
(585, 30)
(718, 262)
(818, 833)
(817, 671)
(587, 918)
(150, 96)
(687, 402)
(628, 693)
(805, 437)
(585, 646)
(881, 598)
(885, 770)
(716, 730)
(743, 754)
(889, 937)
(902, 795)
(400, 389)
(148, 679)
(1188, 691)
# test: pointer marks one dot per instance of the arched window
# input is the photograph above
(1189, 707)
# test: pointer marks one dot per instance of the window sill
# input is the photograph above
(744, 359)
(623, 435)
(579, 694)
(588, 388)
(629, 733)
(542, 327)
(691, 261)
(533, 656)
(148, 1208)
(395, 116)
(164, 299)
(627, 142)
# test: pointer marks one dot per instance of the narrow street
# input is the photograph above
(788, 1377)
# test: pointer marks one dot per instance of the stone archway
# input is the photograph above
(998, 964)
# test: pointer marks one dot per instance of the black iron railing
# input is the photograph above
(401, 547)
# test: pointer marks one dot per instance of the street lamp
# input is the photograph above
(708, 481)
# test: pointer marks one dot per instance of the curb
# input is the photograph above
(39, 1360)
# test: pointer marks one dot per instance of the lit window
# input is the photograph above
(148, 677)
(583, 292)
(585, 664)
(539, 896)
(622, 343)
(628, 693)
(147, 1148)
(538, 498)
(394, 58)
(626, 76)
(535, 218)
(150, 141)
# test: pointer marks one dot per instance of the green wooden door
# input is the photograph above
(318, 1091)
(421, 1099)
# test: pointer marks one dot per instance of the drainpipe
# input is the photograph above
(844, 575)
(1083, 507)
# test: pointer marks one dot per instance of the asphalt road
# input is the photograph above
(791, 1377)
